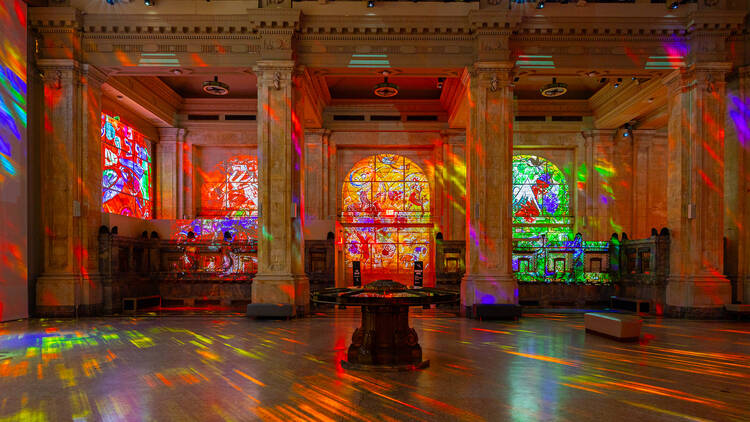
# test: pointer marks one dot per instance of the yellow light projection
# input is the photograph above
(386, 218)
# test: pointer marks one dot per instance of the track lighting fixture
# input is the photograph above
(540, 4)
(440, 83)
(673, 5)
(149, 2)
(603, 80)
(619, 81)
(370, 3)
(627, 130)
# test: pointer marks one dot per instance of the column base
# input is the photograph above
(487, 290)
(704, 312)
(745, 296)
(697, 296)
(62, 294)
(279, 295)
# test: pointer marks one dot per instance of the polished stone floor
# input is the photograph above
(227, 368)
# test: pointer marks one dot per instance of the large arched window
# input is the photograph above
(541, 198)
(386, 217)
(231, 189)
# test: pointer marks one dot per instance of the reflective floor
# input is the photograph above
(226, 368)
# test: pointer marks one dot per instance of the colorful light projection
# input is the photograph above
(541, 199)
(545, 248)
(386, 218)
(126, 179)
(13, 215)
(231, 190)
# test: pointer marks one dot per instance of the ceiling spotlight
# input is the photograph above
(627, 130)
(385, 89)
(440, 83)
(540, 4)
(370, 3)
(619, 81)
(149, 2)
(673, 5)
(215, 87)
(603, 80)
(554, 89)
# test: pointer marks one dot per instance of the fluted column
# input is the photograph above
(280, 278)
(489, 151)
(71, 184)
(695, 192)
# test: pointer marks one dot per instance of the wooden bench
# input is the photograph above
(737, 309)
(131, 304)
(629, 304)
(617, 326)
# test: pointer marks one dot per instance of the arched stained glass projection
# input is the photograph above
(231, 189)
(386, 218)
(386, 185)
(541, 199)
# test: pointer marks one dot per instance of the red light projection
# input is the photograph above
(231, 190)
(126, 164)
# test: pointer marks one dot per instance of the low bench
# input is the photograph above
(617, 326)
(630, 304)
(131, 304)
(737, 309)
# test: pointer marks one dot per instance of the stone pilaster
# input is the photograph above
(643, 184)
(71, 182)
(280, 278)
(695, 193)
(489, 151)
(169, 176)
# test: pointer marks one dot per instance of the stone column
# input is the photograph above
(695, 190)
(71, 184)
(743, 180)
(280, 279)
(737, 184)
(168, 153)
(489, 151)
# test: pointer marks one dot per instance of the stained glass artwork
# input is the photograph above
(545, 249)
(231, 189)
(540, 192)
(126, 164)
(386, 185)
(386, 217)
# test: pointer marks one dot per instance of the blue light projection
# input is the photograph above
(13, 233)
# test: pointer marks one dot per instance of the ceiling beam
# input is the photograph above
(613, 107)
(148, 97)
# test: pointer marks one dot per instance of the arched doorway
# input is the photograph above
(386, 219)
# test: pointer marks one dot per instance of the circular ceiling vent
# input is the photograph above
(215, 87)
(554, 89)
(385, 89)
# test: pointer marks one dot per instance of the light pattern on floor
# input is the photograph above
(235, 369)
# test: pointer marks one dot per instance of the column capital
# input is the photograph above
(171, 134)
(704, 74)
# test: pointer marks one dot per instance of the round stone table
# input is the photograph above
(385, 341)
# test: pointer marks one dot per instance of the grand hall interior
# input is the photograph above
(374, 210)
